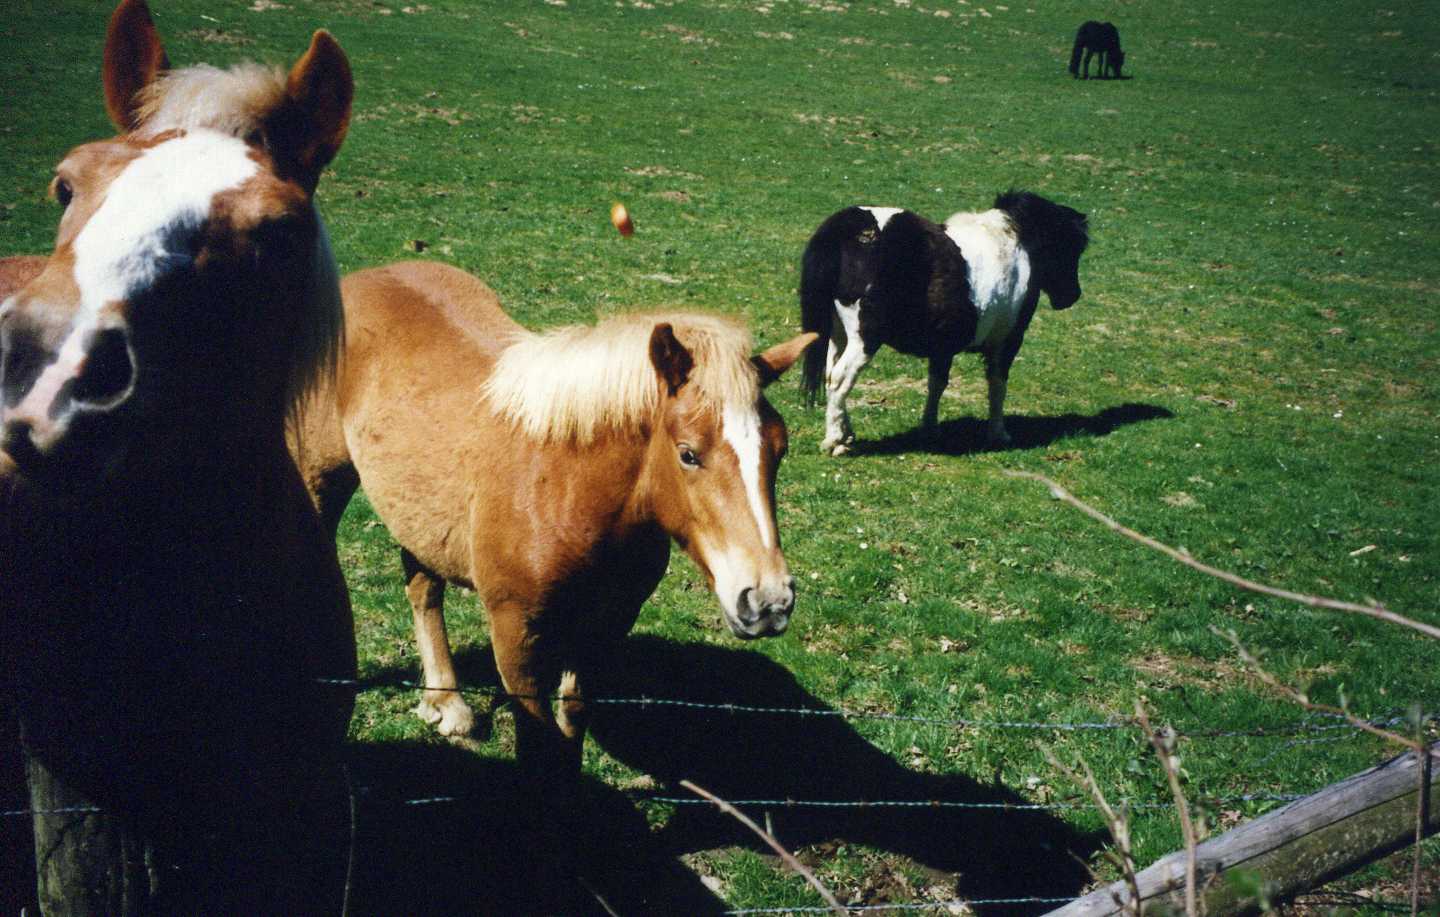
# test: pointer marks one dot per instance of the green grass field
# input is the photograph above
(1251, 374)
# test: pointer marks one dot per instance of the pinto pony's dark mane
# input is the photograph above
(1043, 224)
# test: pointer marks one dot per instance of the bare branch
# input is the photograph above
(774, 845)
(1116, 822)
(1164, 746)
(1304, 701)
(1315, 601)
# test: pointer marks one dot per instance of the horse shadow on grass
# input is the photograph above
(983, 853)
(439, 830)
(978, 853)
(967, 435)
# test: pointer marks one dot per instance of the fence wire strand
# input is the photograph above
(1306, 725)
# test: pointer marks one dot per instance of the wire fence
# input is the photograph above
(1312, 728)
(1317, 722)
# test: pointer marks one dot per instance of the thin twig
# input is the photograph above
(1315, 601)
(1304, 701)
(594, 893)
(1164, 746)
(1116, 822)
(774, 845)
(350, 853)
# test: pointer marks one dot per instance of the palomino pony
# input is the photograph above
(893, 277)
(550, 472)
(172, 615)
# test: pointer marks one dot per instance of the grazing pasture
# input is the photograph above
(1250, 374)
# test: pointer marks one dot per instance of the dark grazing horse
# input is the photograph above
(893, 277)
(1100, 38)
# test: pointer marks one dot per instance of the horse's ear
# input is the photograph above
(134, 56)
(671, 360)
(773, 362)
(309, 128)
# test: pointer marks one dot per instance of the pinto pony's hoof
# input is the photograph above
(998, 440)
(450, 717)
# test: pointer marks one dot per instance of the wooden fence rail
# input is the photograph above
(1296, 848)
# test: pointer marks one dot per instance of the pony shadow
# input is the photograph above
(439, 830)
(982, 853)
(967, 435)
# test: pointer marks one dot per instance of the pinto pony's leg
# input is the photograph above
(997, 378)
(440, 704)
(939, 377)
(841, 379)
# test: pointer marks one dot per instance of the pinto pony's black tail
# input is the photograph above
(819, 274)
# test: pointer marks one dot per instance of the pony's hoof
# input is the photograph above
(838, 445)
(449, 719)
(999, 440)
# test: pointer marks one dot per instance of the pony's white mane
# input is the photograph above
(570, 384)
(233, 101)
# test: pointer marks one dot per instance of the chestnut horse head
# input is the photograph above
(191, 287)
(686, 390)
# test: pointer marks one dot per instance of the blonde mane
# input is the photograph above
(571, 384)
(234, 101)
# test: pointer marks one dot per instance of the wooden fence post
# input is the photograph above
(1304, 845)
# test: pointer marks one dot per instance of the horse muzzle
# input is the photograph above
(58, 403)
(1064, 299)
(762, 611)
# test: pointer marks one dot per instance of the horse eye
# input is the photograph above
(63, 192)
(688, 457)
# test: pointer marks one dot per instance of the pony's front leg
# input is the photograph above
(939, 377)
(997, 378)
(841, 379)
(440, 703)
(547, 757)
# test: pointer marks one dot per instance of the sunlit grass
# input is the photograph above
(1251, 374)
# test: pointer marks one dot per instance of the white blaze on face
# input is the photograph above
(741, 429)
(151, 211)
(882, 215)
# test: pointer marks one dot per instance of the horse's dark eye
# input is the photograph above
(63, 192)
(688, 457)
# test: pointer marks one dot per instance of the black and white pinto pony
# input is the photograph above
(893, 277)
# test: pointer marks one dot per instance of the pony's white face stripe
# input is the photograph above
(141, 231)
(741, 429)
(882, 215)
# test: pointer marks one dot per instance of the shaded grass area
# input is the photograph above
(1251, 375)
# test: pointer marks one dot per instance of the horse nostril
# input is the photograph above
(15, 442)
(108, 371)
(745, 610)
